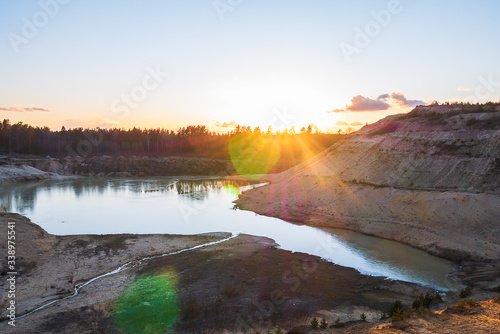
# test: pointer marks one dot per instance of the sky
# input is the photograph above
(173, 63)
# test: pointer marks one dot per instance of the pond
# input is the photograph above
(188, 205)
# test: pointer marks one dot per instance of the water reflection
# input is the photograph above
(192, 206)
(22, 197)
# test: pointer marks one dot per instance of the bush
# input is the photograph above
(278, 330)
(314, 323)
(398, 315)
(464, 293)
(362, 317)
(323, 324)
(383, 316)
(426, 300)
(468, 302)
(397, 305)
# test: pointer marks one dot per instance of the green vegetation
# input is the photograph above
(278, 330)
(363, 317)
(314, 323)
(383, 316)
(426, 300)
(323, 324)
(149, 305)
(398, 315)
(393, 309)
(464, 293)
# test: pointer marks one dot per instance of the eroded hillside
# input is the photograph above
(429, 178)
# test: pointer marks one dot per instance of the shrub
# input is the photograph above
(468, 302)
(278, 330)
(323, 324)
(314, 323)
(426, 300)
(397, 315)
(464, 293)
(471, 302)
(397, 305)
(383, 316)
(362, 317)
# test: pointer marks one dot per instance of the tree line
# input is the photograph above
(196, 140)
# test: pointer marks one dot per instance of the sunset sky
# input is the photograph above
(260, 62)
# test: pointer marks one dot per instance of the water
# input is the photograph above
(191, 206)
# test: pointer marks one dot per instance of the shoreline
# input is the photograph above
(51, 266)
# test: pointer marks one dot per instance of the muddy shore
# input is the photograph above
(240, 285)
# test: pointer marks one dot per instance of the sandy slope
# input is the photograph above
(429, 180)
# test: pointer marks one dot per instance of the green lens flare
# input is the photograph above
(149, 305)
(232, 191)
(252, 154)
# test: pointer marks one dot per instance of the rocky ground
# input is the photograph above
(244, 284)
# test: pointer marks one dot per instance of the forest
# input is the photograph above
(193, 140)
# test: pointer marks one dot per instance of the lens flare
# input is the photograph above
(149, 305)
(252, 155)
(232, 191)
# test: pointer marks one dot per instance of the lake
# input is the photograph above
(189, 205)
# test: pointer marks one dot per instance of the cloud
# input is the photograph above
(360, 103)
(20, 108)
(461, 89)
(94, 123)
(356, 124)
(401, 100)
(226, 124)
